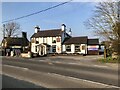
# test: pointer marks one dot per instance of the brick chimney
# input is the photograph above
(24, 34)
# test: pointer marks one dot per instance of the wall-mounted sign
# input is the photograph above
(58, 39)
(16, 46)
(93, 47)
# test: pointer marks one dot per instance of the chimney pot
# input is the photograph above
(63, 27)
(37, 28)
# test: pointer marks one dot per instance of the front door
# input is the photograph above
(42, 50)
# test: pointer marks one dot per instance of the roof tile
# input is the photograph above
(77, 40)
(47, 33)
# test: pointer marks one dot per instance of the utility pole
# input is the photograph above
(118, 31)
(105, 53)
(3, 49)
(3, 31)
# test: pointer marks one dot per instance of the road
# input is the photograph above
(54, 73)
(11, 82)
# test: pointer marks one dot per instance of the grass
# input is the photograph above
(109, 60)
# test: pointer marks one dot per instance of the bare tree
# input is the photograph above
(12, 29)
(105, 21)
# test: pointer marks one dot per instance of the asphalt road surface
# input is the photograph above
(50, 74)
(10, 82)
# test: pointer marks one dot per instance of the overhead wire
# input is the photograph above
(38, 11)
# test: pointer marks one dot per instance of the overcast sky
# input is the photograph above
(73, 14)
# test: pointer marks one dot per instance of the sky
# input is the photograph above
(72, 14)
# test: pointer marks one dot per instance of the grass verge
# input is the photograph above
(109, 60)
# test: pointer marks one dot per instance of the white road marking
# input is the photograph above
(100, 66)
(50, 63)
(47, 59)
(38, 60)
(57, 62)
(74, 63)
(17, 67)
(42, 61)
(106, 85)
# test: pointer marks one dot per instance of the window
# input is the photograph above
(43, 40)
(54, 48)
(35, 48)
(77, 48)
(48, 49)
(68, 48)
(53, 40)
(32, 40)
(83, 47)
(37, 42)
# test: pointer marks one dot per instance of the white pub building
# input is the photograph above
(48, 41)
(44, 42)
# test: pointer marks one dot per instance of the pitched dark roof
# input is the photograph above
(93, 41)
(18, 41)
(47, 33)
(77, 40)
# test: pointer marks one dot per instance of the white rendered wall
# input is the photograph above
(58, 45)
(63, 48)
(48, 40)
(83, 51)
(33, 48)
(72, 48)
